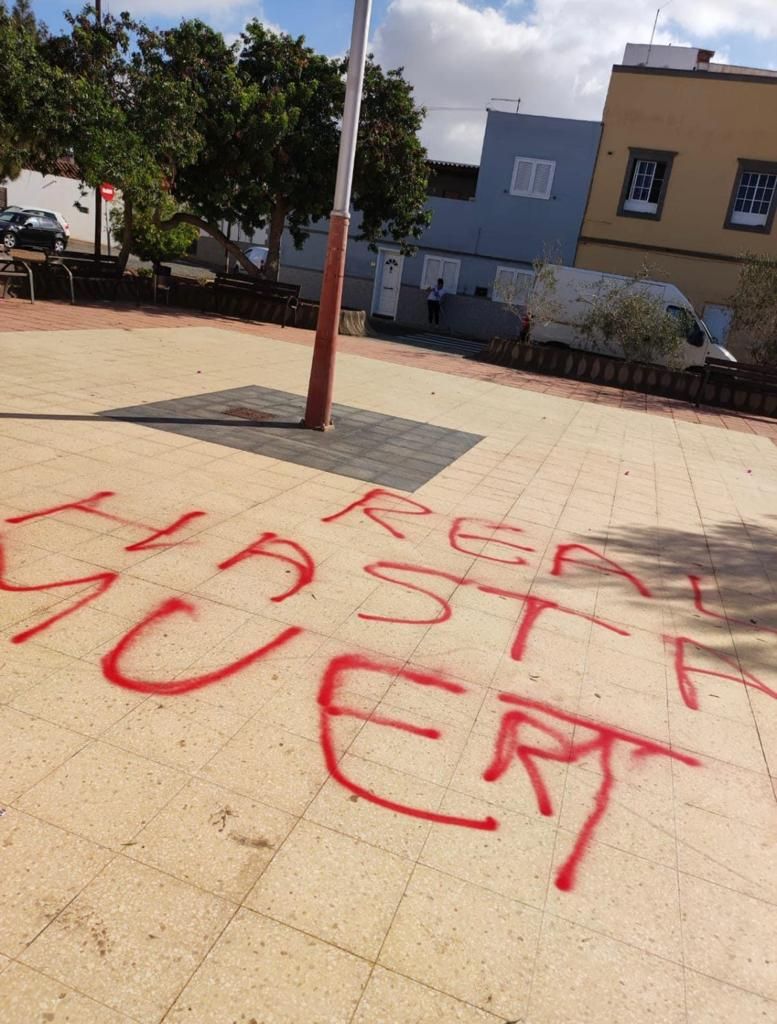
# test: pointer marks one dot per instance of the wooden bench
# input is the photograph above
(723, 370)
(284, 295)
(12, 267)
(84, 265)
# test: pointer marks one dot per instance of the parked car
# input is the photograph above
(41, 211)
(31, 232)
(257, 254)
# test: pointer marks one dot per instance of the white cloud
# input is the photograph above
(555, 55)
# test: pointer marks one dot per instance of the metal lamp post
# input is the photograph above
(318, 410)
(98, 202)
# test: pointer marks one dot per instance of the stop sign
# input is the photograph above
(108, 192)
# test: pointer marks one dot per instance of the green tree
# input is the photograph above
(247, 137)
(755, 307)
(148, 240)
(132, 124)
(270, 151)
(35, 99)
(629, 321)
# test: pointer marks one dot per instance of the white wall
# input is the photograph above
(61, 194)
(680, 58)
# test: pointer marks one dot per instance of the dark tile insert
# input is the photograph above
(385, 450)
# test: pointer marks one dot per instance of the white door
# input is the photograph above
(388, 281)
(718, 319)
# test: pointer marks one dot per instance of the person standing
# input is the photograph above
(434, 301)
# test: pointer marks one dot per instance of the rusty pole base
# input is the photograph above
(318, 410)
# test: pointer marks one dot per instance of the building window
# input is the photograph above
(644, 188)
(436, 267)
(532, 178)
(753, 199)
(511, 286)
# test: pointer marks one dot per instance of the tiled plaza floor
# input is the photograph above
(276, 747)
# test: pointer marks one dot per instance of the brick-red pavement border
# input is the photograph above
(18, 315)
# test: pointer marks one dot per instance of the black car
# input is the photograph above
(28, 231)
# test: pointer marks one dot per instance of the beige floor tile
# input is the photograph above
(464, 941)
(729, 936)
(729, 852)
(29, 749)
(339, 807)
(394, 640)
(77, 635)
(269, 764)
(620, 895)
(102, 943)
(103, 794)
(468, 646)
(623, 708)
(214, 838)
(334, 887)
(260, 969)
(392, 999)
(22, 666)
(514, 860)
(434, 760)
(584, 978)
(709, 736)
(43, 868)
(640, 813)
(75, 696)
(710, 1001)
(725, 789)
(28, 997)
(183, 731)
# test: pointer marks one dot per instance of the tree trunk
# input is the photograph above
(126, 235)
(277, 223)
(231, 248)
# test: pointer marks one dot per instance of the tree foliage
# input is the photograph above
(244, 134)
(147, 239)
(629, 321)
(754, 304)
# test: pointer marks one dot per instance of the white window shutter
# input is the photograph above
(503, 284)
(450, 275)
(432, 268)
(522, 176)
(543, 179)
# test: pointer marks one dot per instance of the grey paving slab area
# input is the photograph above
(369, 446)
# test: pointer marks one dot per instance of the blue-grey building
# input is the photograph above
(490, 222)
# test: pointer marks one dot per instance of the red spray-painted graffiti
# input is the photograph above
(698, 603)
(102, 581)
(111, 663)
(89, 506)
(270, 545)
(685, 672)
(334, 680)
(530, 732)
(567, 750)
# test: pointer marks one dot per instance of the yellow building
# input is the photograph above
(686, 177)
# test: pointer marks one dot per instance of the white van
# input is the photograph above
(575, 288)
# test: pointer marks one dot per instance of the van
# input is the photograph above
(571, 296)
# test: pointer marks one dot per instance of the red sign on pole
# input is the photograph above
(108, 192)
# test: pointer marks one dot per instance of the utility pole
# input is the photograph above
(98, 201)
(318, 410)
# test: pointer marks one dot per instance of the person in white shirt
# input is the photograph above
(434, 301)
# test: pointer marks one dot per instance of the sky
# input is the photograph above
(553, 55)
